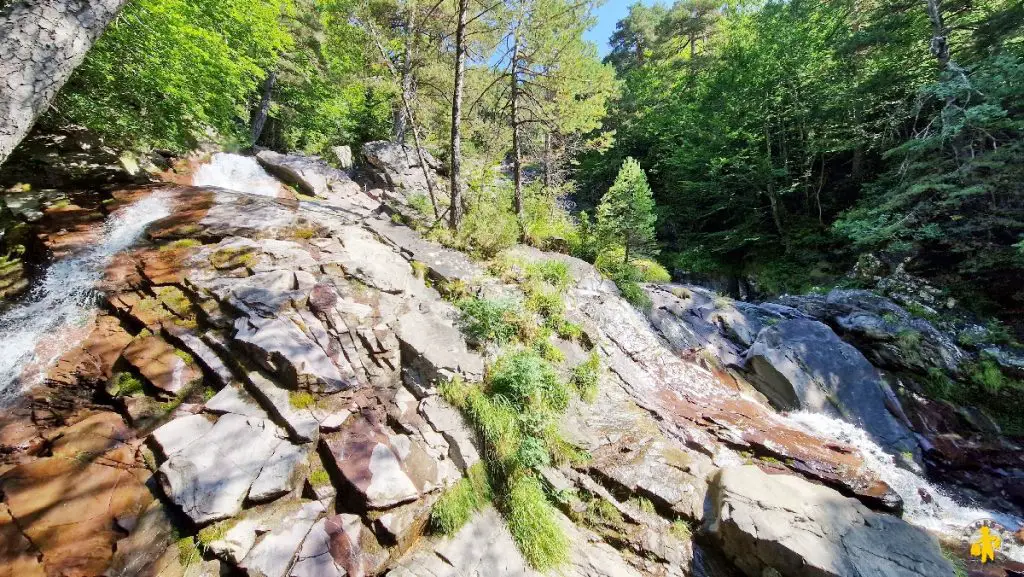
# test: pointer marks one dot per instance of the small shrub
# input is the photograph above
(453, 290)
(420, 269)
(547, 350)
(651, 271)
(304, 233)
(489, 320)
(585, 378)
(210, 534)
(603, 511)
(890, 318)
(569, 331)
(999, 333)
(421, 204)
(528, 381)
(644, 504)
(987, 375)
(532, 522)
(188, 551)
(126, 385)
(635, 294)
(553, 272)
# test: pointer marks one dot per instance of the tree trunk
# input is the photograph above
(455, 209)
(260, 118)
(41, 44)
(939, 44)
(401, 114)
(517, 153)
(548, 161)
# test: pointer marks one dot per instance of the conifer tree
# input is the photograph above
(626, 213)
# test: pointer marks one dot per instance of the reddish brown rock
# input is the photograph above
(363, 455)
(163, 267)
(160, 364)
(101, 342)
(67, 229)
(17, 556)
(69, 505)
(353, 546)
(189, 207)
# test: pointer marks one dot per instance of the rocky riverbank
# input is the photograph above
(258, 394)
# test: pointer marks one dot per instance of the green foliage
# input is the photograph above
(301, 399)
(490, 320)
(533, 524)
(681, 530)
(181, 244)
(126, 385)
(553, 272)
(626, 216)
(319, 477)
(458, 504)
(526, 380)
(166, 70)
(184, 356)
(585, 378)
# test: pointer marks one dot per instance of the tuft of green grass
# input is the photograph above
(126, 385)
(569, 331)
(489, 319)
(421, 270)
(585, 377)
(553, 272)
(644, 504)
(181, 244)
(458, 504)
(532, 522)
(188, 551)
(319, 478)
(185, 356)
(547, 350)
(304, 233)
(208, 535)
(959, 566)
(526, 380)
(635, 294)
(301, 399)
(234, 257)
(681, 530)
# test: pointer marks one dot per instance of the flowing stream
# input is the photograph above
(65, 298)
(944, 514)
(238, 173)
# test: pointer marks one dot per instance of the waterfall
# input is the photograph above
(238, 173)
(944, 514)
(65, 298)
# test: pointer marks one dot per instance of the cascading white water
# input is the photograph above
(942, 515)
(64, 298)
(238, 173)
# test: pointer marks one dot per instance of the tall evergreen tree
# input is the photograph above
(626, 213)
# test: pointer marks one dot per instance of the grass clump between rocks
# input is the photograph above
(301, 399)
(585, 377)
(180, 244)
(458, 504)
(126, 385)
(515, 412)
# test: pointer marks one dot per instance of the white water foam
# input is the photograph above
(65, 298)
(238, 173)
(943, 514)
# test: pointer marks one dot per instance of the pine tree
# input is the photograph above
(626, 213)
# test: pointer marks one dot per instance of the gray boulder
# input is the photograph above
(343, 156)
(397, 167)
(801, 364)
(884, 331)
(783, 525)
(309, 173)
(210, 477)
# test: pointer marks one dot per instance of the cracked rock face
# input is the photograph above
(783, 523)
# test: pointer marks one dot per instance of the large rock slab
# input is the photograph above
(210, 478)
(68, 505)
(782, 523)
(273, 555)
(883, 330)
(364, 456)
(280, 346)
(398, 167)
(435, 348)
(801, 364)
(300, 422)
(310, 174)
(159, 363)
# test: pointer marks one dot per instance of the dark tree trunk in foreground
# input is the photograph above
(455, 210)
(401, 114)
(41, 44)
(260, 118)
(517, 148)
